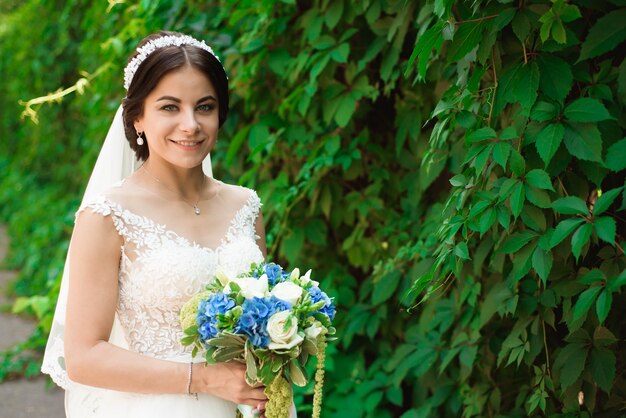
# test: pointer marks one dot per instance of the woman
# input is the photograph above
(141, 248)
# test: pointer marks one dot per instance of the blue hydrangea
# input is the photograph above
(253, 320)
(317, 295)
(274, 273)
(208, 310)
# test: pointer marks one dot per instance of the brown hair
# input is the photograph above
(157, 65)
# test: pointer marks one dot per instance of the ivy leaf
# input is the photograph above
(543, 112)
(586, 110)
(571, 362)
(333, 14)
(501, 153)
(605, 201)
(603, 337)
(584, 302)
(593, 276)
(517, 163)
(538, 197)
(548, 141)
(517, 200)
(430, 40)
(542, 263)
(563, 230)
(556, 77)
(386, 286)
(516, 241)
(345, 109)
(607, 33)
(486, 220)
(605, 229)
(603, 368)
(580, 238)
(521, 25)
(539, 179)
(603, 305)
(570, 205)
(466, 38)
(583, 140)
(462, 251)
(615, 160)
(615, 284)
(481, 135)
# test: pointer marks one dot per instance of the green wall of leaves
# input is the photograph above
(453, 171)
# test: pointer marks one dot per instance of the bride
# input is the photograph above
(144, 245)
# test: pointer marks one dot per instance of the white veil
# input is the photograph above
(116, 161)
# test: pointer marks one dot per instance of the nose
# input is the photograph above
(188, 122)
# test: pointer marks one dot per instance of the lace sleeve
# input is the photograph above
(243, 223)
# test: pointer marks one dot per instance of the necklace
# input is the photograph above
(195, 207)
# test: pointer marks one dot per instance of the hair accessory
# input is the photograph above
(144, 51)
(139, 138)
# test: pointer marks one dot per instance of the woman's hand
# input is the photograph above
(227, 381)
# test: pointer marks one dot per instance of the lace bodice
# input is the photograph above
(160, 270)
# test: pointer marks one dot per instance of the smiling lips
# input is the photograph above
(188, 144)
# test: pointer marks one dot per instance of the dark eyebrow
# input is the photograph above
(177, 100)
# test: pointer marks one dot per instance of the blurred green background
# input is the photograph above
(453, 172)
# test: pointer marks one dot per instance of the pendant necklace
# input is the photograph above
(195, 207)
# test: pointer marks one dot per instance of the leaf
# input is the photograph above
(543, 112)
(607, 33)
(563, 230)
(333, 14)
(458, 181)
(524, 85)
(618, 282)
(593, 276)
(603, 337)
(605, 229)
(461, 250)
(571, 362)
(556, 77)
(580, 238)
(386, 286)
(540, 179)
(548, 141)
(431, 39)
(586, 110)
(605, 201)
(542, 263)
(602, 366)
(517, 200)
(570, 205)
(486, 220)
(481, 135)
(296, 373)
(517, 163)
(345, 109)
(516, 241)
(603, 305)
(538, 197)
(466, 38)
(501, 153)
(583, 140)
(584, 302)
(615, 155)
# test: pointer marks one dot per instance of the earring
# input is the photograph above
(139, 138)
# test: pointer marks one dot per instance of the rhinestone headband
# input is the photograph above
(144, 51)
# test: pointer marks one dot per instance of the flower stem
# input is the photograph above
(319, 376)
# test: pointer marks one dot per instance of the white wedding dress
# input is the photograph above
(159, 271)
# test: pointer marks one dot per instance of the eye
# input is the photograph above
(169, 108)
(207, 107)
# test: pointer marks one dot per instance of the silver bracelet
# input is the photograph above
(195, 395)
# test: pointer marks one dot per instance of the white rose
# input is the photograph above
(313, 331)
(251, 287)
(306, 279)
(287, 291)
(282, 338)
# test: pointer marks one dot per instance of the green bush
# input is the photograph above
(452, 171)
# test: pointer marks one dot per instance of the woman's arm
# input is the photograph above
(92, 299)
(260, 231)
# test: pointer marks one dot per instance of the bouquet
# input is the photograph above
(269, 319)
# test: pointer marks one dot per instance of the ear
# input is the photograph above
(138, 126)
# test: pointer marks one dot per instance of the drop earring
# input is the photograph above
(139, 138)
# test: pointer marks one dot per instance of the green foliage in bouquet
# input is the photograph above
(466, 155)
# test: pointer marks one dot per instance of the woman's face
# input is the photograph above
(180, 118)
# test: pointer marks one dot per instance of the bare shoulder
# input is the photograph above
(237, 194)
